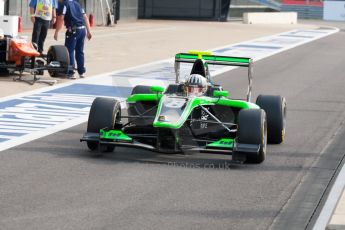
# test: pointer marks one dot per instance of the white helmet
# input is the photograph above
(196, 85)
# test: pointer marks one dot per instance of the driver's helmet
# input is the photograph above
(196, 85)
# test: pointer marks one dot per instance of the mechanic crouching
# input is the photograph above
(77, 24)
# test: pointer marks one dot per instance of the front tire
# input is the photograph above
(275, 108)
(104, 113)
(252, 129)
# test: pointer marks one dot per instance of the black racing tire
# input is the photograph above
(4, 72)
(141, 89)
(60, 54)
(135, 109)
(172, 88)
(252, 129)
(275, 108)
(104, 113)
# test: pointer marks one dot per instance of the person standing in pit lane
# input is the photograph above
(42, 12)
(77, 24)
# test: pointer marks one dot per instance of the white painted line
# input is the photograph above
(43, 133)
(335, 193)
(328, 208)
(14, 130)
(28, 121)
(14, 124)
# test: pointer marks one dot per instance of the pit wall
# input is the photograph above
(270, 18)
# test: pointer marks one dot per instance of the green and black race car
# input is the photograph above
(183, 119)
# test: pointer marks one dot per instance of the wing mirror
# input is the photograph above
(157, 89)
(218, 93)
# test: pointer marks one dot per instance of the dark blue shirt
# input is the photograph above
(73, 13)
(60, 8)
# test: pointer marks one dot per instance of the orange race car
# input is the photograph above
(19, 55)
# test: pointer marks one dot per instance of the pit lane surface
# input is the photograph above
(51, 183)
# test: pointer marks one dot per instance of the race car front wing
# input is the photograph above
(118, 138)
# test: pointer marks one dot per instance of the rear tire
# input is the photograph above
(58, 53)
(142, 89)
(140, 107)
(275, 108)
(252, 129)
(104, 113)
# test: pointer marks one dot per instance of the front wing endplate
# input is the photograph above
(114, 135)
(226, 143)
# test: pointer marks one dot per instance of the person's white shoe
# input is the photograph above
(71, 76)
(82, 75)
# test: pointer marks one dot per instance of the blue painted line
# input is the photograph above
(13, 103)
(24, 122)
(82, 89)
(12, 133)
(96, 90)
(157, 72)
(260, 47)
(27, 125)
(10, 103)
(39, 100)
(146, 76)
(312, 31)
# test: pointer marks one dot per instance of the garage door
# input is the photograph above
(183, 8)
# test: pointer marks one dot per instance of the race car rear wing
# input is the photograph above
(213, 59)
(210, 59)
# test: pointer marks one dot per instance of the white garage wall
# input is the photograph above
(334, 10)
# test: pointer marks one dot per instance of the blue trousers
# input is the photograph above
(75, 45)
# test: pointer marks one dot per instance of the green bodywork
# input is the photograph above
(157, 89)
(222, 143)
(222, 93)
(191, 103)
(144, 97)
(114, 135)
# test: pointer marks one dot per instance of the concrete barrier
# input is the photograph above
(270, 18)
